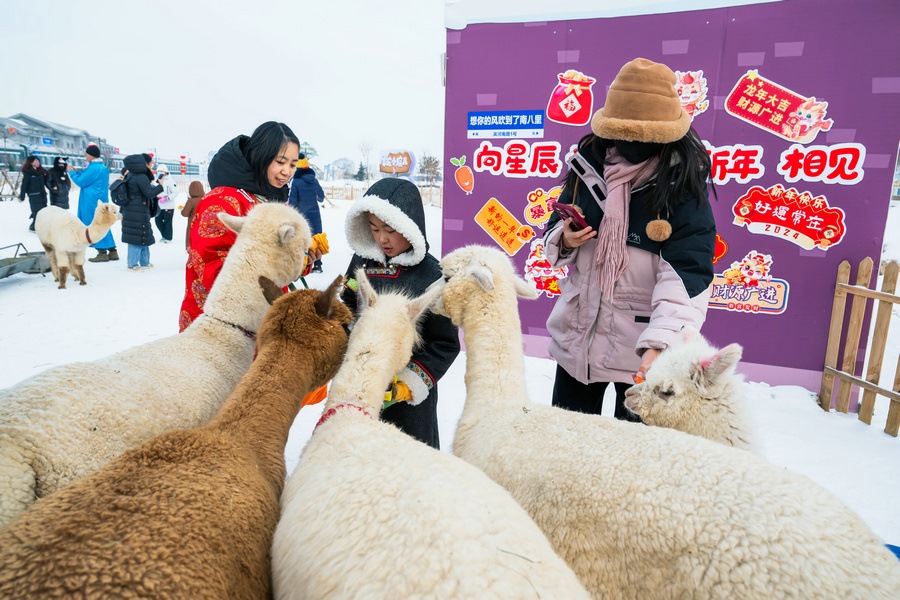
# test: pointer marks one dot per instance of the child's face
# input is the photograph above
(391, 242)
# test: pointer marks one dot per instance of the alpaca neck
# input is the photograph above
(236, 297)
(261, 409)
(362, 379)
(96, 231)
(495, 363)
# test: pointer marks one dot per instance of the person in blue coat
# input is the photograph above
(93, 183)
(306, 196)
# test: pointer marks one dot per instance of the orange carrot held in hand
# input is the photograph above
(465, 179)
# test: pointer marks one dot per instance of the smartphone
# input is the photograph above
(566, 211)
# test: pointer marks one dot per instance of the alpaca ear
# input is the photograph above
(231, 222)
(420, 305)
(367, 294)
(285, 233)
(482, 276)
(99, 203)
(720, 363)
(524, 289)
(271, 291)
(326, 300)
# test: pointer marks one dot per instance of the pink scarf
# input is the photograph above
(611, 258)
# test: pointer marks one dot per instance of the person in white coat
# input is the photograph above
(166, 203)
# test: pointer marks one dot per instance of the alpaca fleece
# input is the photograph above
(644, 512)
(393, 517)
(188, 514)
(65, 238)
(68, 421)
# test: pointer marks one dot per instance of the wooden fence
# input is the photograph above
(861, 294)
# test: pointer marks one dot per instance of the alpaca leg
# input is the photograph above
(51, 258)
(77, 266)
(63, 274)
(17, 490)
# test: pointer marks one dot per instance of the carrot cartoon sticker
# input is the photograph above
(748, 286)
(463, 175)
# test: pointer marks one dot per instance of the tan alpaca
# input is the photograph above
(644, 512)
(65, 238)
(188, 514)
(369, 512)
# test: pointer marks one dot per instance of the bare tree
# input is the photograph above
(430, 167)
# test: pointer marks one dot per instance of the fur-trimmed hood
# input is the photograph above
(398, 203)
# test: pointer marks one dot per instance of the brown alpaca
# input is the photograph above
(191, 513)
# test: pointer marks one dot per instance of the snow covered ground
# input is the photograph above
(41, 327)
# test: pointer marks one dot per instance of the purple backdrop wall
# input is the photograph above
(840, 52)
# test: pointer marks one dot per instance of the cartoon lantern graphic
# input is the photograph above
(572, 101)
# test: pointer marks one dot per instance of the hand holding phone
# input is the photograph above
(567, 211)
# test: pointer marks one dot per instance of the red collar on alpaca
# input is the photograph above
(87, 234)
(328, 413)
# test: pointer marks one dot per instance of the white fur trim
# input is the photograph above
(360, 238)
(416, 386)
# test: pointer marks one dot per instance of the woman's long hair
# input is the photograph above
(684, 164)
(29, 165)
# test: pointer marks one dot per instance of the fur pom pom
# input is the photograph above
(659, 230)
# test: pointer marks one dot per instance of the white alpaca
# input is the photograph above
(68, 421)
(692, 387)
(65, 238)
(637, 511)
(370, 512)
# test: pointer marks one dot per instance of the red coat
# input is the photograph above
(210, 242)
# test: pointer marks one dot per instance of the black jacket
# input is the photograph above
(136, 227)
(34, 184)
(62, 183)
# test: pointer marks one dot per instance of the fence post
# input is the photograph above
(879, 341)
(892, 427)
(854, 330)
(834, 336)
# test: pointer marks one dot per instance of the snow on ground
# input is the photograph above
(41, 326)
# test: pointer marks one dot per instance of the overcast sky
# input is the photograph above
(187, 76)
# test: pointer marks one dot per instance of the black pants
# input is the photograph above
(418, 421)
(37, 202)
(571, 394)
(164, 223)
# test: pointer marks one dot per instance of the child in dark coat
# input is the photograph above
(386, 230)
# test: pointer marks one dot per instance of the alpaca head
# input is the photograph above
(685, 382)
(307, 328)
(389, 320)
(106, 214)
(273, 237)
(477, 276)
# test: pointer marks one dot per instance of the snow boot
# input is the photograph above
(113, 254)
(102, 256)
